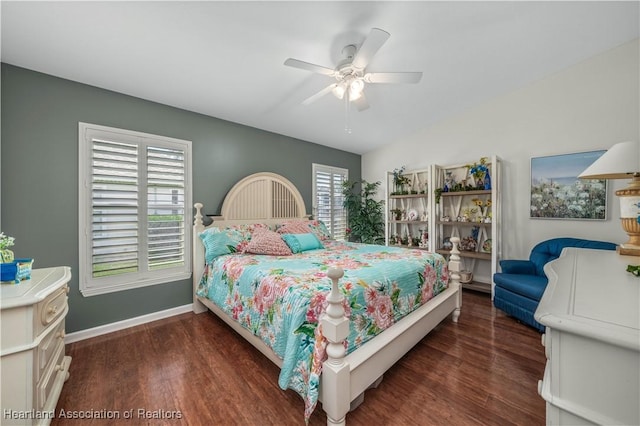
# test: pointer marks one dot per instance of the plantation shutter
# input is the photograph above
(133, 208)
(328, 198)
(115, 220)
(166, 208)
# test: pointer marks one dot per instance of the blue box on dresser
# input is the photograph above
(16, 271)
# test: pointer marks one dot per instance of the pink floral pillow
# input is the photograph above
(320, 229)
(295, 227)
(264, 241)
(316, 227)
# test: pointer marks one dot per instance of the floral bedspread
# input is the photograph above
(281, 299)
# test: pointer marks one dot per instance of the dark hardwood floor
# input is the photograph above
(481, 371)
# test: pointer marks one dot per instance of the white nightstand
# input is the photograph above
(33, 364)
(591, 310)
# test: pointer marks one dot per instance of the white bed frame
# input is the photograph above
(270, 198)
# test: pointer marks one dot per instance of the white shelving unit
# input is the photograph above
(413, 203)
(473, 214)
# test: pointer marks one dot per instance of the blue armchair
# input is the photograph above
(521, 283)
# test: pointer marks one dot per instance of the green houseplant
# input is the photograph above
(365, 218)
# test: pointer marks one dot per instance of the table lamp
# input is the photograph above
(622, 161)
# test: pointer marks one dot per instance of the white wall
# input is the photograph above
(589, 106)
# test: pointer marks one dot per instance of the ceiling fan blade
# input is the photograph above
(320, 94)
(361, 103)
(370, 46)
(309, 67)
(393, 77)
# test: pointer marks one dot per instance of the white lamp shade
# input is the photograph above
(620, 161)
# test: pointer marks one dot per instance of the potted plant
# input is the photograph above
(438, 193)
(400, 181)
(365, 217)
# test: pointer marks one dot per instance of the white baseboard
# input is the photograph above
(121, 325)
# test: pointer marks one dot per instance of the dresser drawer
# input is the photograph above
(47, 347)
(48, 380)
(51, 308)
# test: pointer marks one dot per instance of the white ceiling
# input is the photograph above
(225, 59)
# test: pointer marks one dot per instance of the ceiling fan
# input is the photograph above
(351, 75)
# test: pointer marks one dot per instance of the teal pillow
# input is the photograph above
(302, 242)
(217, 244)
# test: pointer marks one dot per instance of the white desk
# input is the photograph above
(591, 311)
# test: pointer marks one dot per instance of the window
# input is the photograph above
(327, 198)
(134, 191)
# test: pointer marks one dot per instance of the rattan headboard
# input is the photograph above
(258, 198)
(263, 196)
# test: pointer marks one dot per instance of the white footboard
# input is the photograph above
(345, 378)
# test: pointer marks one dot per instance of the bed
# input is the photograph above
(365, 305)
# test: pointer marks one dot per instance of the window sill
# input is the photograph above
(97, 290)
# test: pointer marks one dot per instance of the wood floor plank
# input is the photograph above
(481, 371)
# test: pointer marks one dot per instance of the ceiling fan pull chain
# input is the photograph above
(347, 128)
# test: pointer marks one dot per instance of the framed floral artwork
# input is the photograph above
(558, 193)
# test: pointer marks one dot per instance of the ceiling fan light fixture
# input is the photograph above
(339, 90)
(354, 95)
(355, 89)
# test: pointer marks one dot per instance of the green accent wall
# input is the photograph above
(39, 174)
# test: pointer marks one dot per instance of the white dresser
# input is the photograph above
(591, 311)
(33, 364)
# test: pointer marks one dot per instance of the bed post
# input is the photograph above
(198, 258)
(336, 389)
(454, 276)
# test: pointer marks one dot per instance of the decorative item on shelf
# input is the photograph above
(397, 213)
(6, 255)
(446, 218)
(479, 171)
(487, 180)
(468, 244)
(622, 161)
(424, 238)
(483, 209)
(486, 246)
(447, 244)
(449, 182)
(412, 215)
(425, 216)
(466, 277)
(475, 233)
(468, 213)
